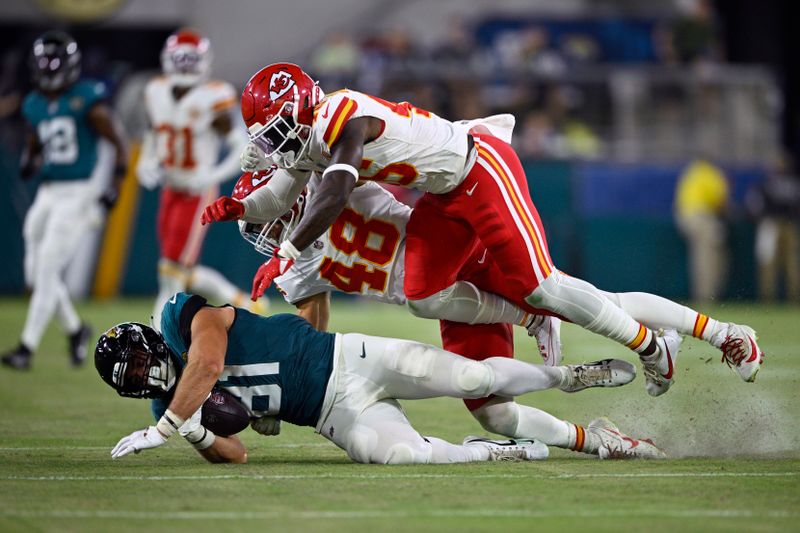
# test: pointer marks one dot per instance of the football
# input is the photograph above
(223, 414)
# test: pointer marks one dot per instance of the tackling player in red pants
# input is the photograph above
(475, 191)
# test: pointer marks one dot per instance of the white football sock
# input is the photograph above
(445, 452)
(583, 304)
(66, 313)
(513, 377)
(656, 312)
(171, 279)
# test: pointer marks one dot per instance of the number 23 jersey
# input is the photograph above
(363, 252)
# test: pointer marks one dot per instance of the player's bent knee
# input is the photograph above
(501, 418)
(362, 444)
(401, 453)
(474, 379)
(429, 307)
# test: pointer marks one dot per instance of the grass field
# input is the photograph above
(735, 462)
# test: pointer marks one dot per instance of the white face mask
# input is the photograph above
(163, 375)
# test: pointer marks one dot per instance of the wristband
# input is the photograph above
(169, 424)
(288, 250)
(342, 166)
(201, 438)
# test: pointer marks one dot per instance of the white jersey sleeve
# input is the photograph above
(363, 252)
(415, 148)
(276, 197)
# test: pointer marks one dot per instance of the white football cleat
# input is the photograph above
(511, 449)
(547, 331)
(739, 350)
(616, 445)
(605, 373)
(659, 368)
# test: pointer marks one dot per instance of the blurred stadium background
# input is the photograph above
(617, 102)
(614, 100)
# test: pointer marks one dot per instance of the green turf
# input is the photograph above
(735, 466)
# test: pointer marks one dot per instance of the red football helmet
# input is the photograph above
(186, 57)
(278, 108)
(266, 238)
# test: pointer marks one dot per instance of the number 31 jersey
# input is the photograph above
(186, 142)
(363, 252)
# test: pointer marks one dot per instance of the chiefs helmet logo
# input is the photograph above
(279, 84)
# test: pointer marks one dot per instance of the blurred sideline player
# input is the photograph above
(476, 194)
(67, 118)
(363, 253)
(191, 127)
(346, 386)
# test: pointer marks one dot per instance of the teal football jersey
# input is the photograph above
(277, 365)
(62, 126)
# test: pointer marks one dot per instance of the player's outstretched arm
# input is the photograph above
(338, 182)
(206, 359)
(225, 450)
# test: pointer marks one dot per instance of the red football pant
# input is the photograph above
(180, 233)
(477, 342)
(492, 207)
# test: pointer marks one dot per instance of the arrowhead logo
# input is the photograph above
(279, 84)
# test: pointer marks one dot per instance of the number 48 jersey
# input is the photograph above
(186, 141)
(363, 252)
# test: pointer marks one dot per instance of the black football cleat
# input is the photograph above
(78, 345)
(19, 358)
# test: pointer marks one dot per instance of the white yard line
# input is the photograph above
(398, 475)
(371, 514)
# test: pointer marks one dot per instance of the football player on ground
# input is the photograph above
(346, 386)
(192, 125)
(476, 194)
(362, 253)
(67, 119)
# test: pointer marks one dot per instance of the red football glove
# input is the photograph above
(223, 208)
(267, 272)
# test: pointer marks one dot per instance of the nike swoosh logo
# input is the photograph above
(668, 375)
(325, 113)
(483, 257)
(174, 299)
(363, 351)
(471, 190)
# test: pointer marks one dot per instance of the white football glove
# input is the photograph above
(192, 424)
(254, 159)
(138, 441)
(150, 173)
(266, 425)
